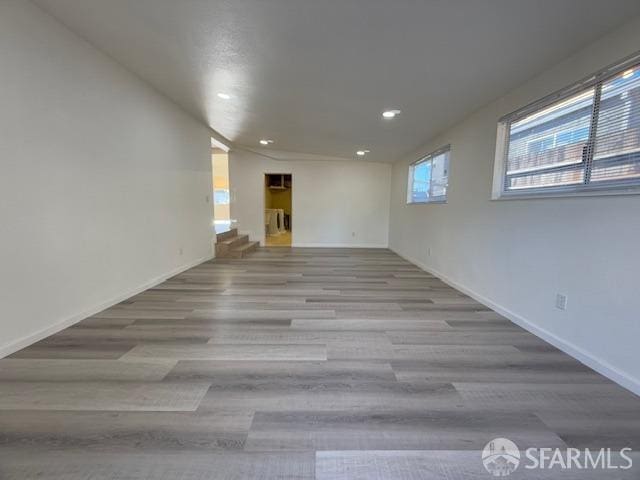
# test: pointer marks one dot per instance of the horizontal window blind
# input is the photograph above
(617, 132)
(587, 139)
(429, 178)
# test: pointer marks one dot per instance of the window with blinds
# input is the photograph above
(586, 137)
(429, 178)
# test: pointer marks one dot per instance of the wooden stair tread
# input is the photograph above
(231, 244)
(232, 240)
(241, 251)
(245, 246)
(233, 232)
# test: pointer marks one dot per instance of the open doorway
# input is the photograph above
(221, 199)
(278, 218)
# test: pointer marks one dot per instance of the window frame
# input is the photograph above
(441, 199)
(593, 81)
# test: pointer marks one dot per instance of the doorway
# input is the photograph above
(278, 214)
(221, 198)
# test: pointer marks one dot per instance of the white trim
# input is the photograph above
(38, 335)
(597, 364)
(429, 202)
(499, 162)
(605, 191)
(339, 245)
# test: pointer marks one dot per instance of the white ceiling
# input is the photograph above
(315, 75)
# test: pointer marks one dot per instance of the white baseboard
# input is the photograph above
(338, 245)
(604, 368)
(67, 322)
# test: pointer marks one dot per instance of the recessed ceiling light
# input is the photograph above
(362, 153)
(266, 142)
(390, 113)
(224, 96)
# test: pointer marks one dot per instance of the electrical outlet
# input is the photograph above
(180, 251)
(561, 301)
(206, 199)
(353, 234)
(428, 251)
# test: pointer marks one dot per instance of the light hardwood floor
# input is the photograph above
(299, 364)
(282, 240)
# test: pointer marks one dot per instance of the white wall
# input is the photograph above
(335, 203)
(102, 179)
(515, 255)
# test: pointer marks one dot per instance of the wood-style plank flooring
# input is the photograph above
(299, 364)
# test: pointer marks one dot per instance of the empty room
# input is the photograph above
(319, 239)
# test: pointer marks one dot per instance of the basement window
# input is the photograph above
(582, 140)
(429, 178)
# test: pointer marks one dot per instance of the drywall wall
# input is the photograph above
(104, 182)
(516, 255)
(335, 203)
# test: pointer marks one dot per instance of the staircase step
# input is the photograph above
(242, 250)
(227, 235)
(235, 241)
